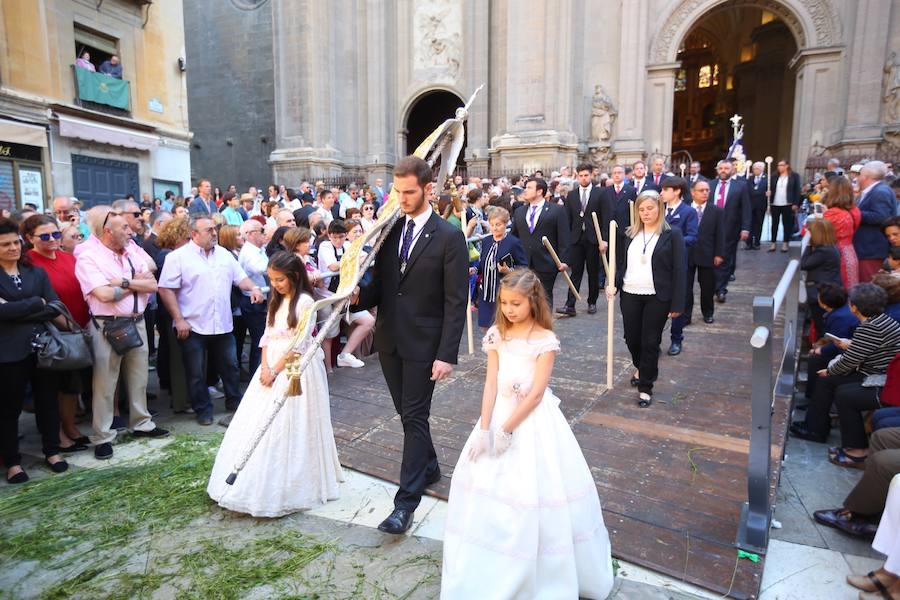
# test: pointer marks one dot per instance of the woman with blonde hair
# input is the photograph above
(650, 273)
(841, 210)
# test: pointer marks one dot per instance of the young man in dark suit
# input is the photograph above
(732, 196)
(620, 195)
(582, 202)
(640, 180)
(533, 221)
(420, 284)
(707, 253)
(679, 215)
(759, 204)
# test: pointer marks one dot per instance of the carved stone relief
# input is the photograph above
(437, 47)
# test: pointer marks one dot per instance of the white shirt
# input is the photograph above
(780, 198)
(419, 221)
(537, 213)
(639, 274)
(328, 255)
(255, 263)
(327, 217)
(202, 285)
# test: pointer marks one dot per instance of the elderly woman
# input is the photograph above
(852, 380)
(650, 273)
(25, 303)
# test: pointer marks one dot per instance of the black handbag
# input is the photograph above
(63, 350)
(122, 332)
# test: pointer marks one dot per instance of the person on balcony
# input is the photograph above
(84, 62)
(112, 67)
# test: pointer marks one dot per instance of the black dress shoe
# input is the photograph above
(635, 381)
(592, 309)
(731, 278)
(799, 430)
(20, 477)
(568, 311)
(708, 320)
(675, 349)
(205, 420)
(720, 297)
(103, 451)
(156, 432)
(398, 522)
(59, 466)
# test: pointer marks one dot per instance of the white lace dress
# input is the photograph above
(887, 539)
(295, 466)
(526, 524)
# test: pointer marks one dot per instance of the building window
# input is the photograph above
(705, 78)
(99, 46)
(681, 80)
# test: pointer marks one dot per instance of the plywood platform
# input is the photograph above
(671, 478)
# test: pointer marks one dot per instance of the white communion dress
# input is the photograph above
(296, 466)
(887, 539)
(525, 524)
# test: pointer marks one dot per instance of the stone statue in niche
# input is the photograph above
(603, 115)
(892, 89)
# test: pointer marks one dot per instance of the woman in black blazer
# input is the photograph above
(25, 294)
(788, 182)
(650, 273)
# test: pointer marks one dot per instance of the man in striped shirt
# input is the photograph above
(848, 381)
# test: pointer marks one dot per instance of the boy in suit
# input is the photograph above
(533, 221)
(679, 215)
(707, 253)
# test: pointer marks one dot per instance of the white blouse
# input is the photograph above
(639, 273)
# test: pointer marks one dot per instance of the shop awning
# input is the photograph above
(20, 133)
(74, 127)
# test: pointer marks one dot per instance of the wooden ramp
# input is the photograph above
(671, 478)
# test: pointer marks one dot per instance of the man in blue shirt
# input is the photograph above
(112, 67)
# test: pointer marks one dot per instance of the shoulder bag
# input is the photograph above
(63, 350)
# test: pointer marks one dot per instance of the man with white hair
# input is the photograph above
(834, 169)
(285, 218)
(876, 203)
(254, 261)
(759, 204)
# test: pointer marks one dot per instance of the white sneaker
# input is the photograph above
(348, 360)
(214, 393)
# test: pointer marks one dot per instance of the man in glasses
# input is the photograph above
(63, 209)
(132, 213)
(254, 261)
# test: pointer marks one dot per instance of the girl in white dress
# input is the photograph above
(524, 518)
(295, 466)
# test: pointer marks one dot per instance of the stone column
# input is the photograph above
(380, 90)
(629, 144)
(815, 100)
(660, 103)
(477, 60)
(866, 56)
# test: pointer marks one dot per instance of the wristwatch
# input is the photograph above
(125, 284)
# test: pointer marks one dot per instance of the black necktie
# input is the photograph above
(407, 242)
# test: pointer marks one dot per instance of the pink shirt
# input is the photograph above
(96, 265)
(202, 285)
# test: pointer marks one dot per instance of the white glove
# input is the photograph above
(481, 444)
(502, 442)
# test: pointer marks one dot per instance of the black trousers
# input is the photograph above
(584, 254)
(817, 419)
(786, 215)
(852, 400)
(239, 332)
(726, 269)
(547, 280)
(411, 389)
(706, 276)
(813, 365)
(150, 323)
(756, 226)
(163, 371)
(644, 318)
(15, 377)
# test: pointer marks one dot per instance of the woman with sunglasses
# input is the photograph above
(367, 221)
(71, 236)
(44, 237)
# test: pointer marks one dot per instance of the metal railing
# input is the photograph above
(756, 514)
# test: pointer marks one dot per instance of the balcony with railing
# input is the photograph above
(101, 92)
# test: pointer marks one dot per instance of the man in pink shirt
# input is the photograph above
(117, 283)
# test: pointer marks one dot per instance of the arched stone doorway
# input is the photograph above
(734, 61)
(427, 112)
(815, 68)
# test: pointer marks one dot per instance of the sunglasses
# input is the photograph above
(368, 208)
(106, 218)
(136, 214)
(46, 237)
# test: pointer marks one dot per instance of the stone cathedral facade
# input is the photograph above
(355, 83)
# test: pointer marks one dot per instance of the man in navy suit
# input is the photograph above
(759, 204)
(876, 203)
(707, 253)
(620, 194)
(582, 202)
(679, 215)
(533, 221)
(733, 197)
(639, 178)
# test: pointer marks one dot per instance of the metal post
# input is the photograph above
(791, 331)
(753, 530)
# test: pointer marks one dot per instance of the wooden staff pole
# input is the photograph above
(610, 305)
(600, 240)
(558, 262)
(769, 174)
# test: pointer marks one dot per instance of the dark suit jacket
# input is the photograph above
(738, 215)
(23, 311)
(647, 185)
(685, 219)
(552, 223)
(621, 208)
(421, 313)
(598, 203)
(879, 204)
(710, 237)
(667, 262)
(758, 201)
(822, 265)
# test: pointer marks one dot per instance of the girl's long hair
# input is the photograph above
(294, 269)
(525, 282)
(636, 224)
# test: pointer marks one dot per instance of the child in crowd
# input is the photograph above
(524, 518)
(295, 466)
(329, 262)
(822, 262)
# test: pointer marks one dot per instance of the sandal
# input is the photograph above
(645, 400)
(868, 582)
(842, 459)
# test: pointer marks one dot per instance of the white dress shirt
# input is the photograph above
(639, 273)
(202, 285)
(780, 198)
(255, 263)
(419, 221)
(537, 212)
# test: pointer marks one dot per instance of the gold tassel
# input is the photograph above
(294, 387)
